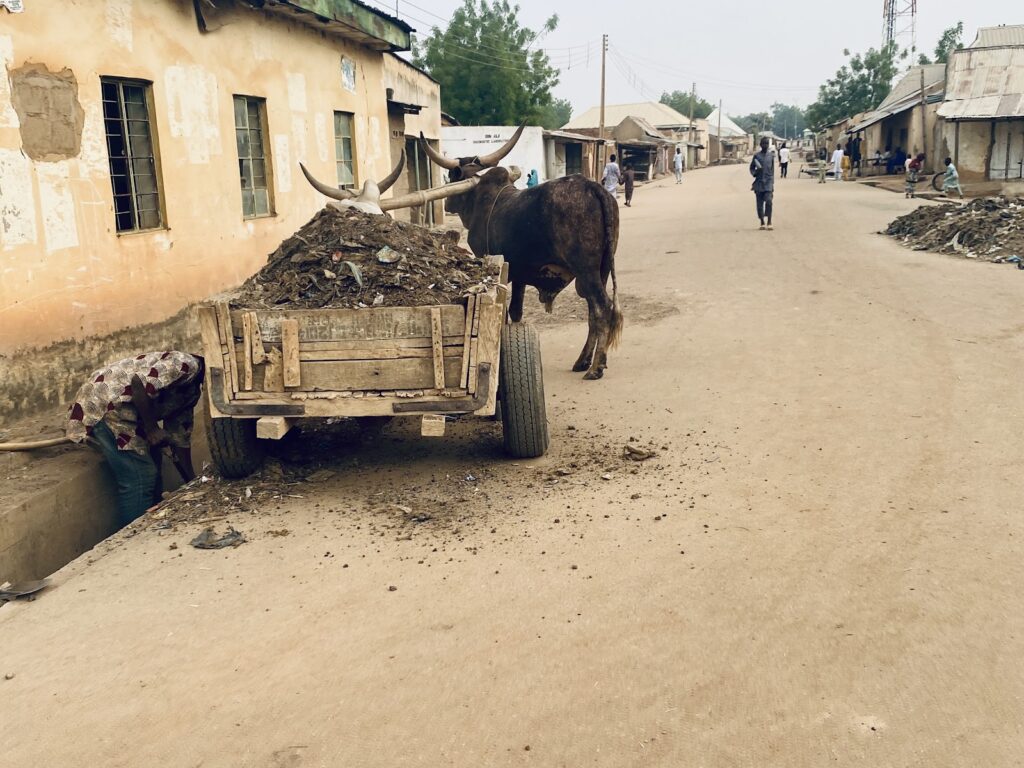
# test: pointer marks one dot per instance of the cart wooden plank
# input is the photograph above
(438, 347)
(289, 329)
(411, 373)
(318, 325)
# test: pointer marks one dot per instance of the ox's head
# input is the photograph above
(465, 168)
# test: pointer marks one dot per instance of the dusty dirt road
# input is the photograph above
(821, 566)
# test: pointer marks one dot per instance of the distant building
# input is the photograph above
(733, 143)
(983, 108)
(907, 118)
(552, 154)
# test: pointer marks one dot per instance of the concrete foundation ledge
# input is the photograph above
(56, 504)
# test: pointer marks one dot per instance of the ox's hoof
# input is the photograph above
(581, 365)
(594, 375)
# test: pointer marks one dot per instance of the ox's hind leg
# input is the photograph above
(587, 354)
(600, 319)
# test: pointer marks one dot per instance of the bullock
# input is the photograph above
(563, 230)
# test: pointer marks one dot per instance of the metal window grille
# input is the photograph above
(252, 158)
(133, 172)
(343, 150)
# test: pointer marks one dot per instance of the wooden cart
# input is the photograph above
(267, 369)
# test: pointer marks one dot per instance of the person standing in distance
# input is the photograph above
(677, 163)
(612, 177)
(762, 168)
(837, 163)
(783, 161)
(629, 178)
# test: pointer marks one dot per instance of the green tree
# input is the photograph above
(788, 120)
(950, 40)
(755, 122)
(858, 86)
(680, 102)
(556, 114)
(483, 60)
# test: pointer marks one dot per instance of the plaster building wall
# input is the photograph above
(469, 140)
(65, 272)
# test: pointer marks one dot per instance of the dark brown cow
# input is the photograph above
(551, 234)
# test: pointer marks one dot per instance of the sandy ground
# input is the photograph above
(821, 566)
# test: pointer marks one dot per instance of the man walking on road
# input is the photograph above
(629, 178)
(837, 163)
(678, 165)
(612, 177)
(762, 168)
(784, 161)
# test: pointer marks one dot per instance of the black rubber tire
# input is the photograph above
(234, 447)
(937, 181)
(524, 420)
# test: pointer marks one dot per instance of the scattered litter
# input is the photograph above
(26, 589)
(637, 454)
(320, 475)
(988, 228)
(209, 539)
(607, 476)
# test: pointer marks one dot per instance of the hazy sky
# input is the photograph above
(749, 54)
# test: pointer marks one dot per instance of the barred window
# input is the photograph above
(253, 170)
(130, 149)
(343, 150)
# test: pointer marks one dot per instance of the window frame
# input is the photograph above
(266, 159)
(338, 161)
(146, 87)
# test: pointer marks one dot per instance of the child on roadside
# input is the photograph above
(913, 171)
(952, 179)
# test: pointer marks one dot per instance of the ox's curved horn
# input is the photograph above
(385, 184)
(429, 195)
(445, 162)
(324, 189)
(491, 160)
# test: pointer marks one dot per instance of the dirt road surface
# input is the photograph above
(820, 566)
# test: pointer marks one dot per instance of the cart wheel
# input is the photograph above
(524, 421)
(234, 448)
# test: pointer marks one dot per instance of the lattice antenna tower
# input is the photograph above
(899, 23)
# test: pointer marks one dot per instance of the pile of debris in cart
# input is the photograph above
(347, 259)
(989, 228)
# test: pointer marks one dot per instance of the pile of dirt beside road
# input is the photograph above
(989, 228)
(349, 259)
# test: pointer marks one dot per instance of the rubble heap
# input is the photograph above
(989, 228)
(349, 259)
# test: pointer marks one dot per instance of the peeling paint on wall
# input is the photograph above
(119, 22)
(8, 117)
(58, 206)
(300, 129)
(320, 129)
(17, 201)
(93, 157)
(296, 91)
(49, 112)
(192, 111)
(282, 164)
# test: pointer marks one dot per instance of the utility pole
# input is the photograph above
(924, 123)
(604, 51)
(719, 131)
(689, 136)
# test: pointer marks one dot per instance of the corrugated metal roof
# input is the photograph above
(657, 114)
(997, 37)
(910, 84)
(729, 129)
(880, 114)
(985, 83)
(570, 136)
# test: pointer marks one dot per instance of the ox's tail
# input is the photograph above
(611, 241)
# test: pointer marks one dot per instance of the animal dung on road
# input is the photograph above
(347, 259)
(989, 228)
